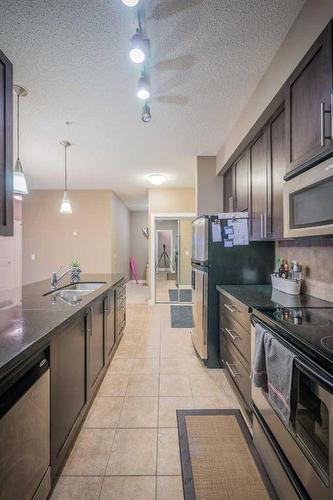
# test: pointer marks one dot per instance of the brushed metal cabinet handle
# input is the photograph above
(229, 332)
(323, 112)
(261, 226)
(233, 374)
(229, 308)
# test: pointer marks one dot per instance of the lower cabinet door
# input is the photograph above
(68, 384)
(109, 323)
(96, 341)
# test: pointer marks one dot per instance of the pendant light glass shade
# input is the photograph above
(66, 207)
(19, 182)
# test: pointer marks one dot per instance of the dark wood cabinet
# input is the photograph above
(120, 309)
(258, 188)
(276, 169)
(228, 190)
(241, 183)
(109, 324)
(96, 341)
(6, 146)
(308, 104)
(68, 385)
(235, 347)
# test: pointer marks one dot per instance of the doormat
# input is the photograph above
(181, 317)
(182, 295)
(218, 458)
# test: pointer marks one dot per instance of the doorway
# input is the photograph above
(172, 260)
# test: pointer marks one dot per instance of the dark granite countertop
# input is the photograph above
(27, 318)
(264, 297)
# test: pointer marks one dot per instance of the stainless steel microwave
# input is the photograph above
(308, 202)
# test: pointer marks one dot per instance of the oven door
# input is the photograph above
(308, 441)
(307, 201)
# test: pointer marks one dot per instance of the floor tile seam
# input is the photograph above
(114, 436)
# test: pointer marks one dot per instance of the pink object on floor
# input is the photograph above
(133, 268)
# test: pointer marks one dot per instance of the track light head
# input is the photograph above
(143, 88)
(140, 48)
(146, 116)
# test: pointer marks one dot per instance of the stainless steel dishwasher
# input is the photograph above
(25, 431)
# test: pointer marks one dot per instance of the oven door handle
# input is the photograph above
(319, 376)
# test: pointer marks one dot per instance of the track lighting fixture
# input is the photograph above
(146, 116)
(19, 182)
(66, 207)
(130, 3)
(143, 88)
(140, 48)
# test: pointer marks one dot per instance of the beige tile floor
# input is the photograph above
(128, 446)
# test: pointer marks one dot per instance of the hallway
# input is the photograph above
(128, 446)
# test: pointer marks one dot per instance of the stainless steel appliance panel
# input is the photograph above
(308, 441)
(200, 233)
(25, 443)
(307, 202)
(200, 292)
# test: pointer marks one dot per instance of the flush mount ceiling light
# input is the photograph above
(156, 179)
(66, 207)
(130, 3)
(140, 48)
(146, 116)
(143, 88)
(19, 182)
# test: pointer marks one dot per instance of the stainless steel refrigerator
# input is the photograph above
(212, 265)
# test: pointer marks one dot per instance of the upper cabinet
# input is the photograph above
(228, 190)
(6, 146)
(309, 102)
(258, 188)
(242, 183)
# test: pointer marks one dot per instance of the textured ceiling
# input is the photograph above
(72, 56)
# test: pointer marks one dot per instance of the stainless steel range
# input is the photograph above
(299, 455)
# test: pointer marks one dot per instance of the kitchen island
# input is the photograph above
(74, 330)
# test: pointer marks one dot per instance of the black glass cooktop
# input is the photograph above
(312, 328)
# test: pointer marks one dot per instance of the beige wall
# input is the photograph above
(96, 233)
(166, 200)
(208, 187)
(120, 236)
(138, 242)
(314, 16)
(316, 257)
(185, 234)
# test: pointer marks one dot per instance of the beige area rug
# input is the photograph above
(219, 461)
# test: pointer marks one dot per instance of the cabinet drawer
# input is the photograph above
(236, 334)
(236, 311)
(239, 372)
(121, 292)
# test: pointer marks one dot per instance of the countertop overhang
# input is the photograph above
(27, 325)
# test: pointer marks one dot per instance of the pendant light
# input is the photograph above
(66, 207)
(19, 182)
(139, 48)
